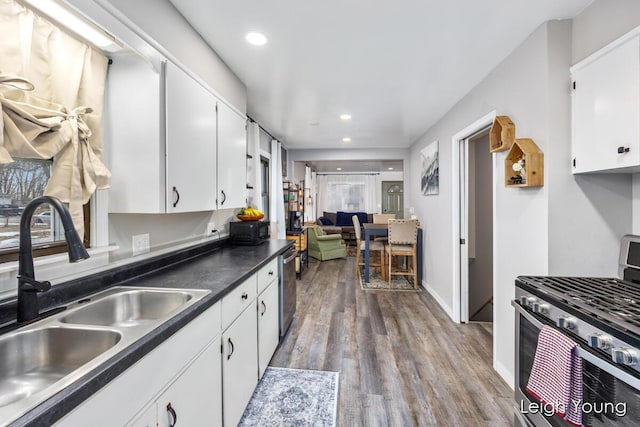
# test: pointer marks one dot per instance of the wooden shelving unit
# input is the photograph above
(502, 134)
(527, 150)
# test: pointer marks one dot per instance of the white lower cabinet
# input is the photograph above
(179, 363)
(239, 365)
(203, 375)
(194, 398)
(268, 326)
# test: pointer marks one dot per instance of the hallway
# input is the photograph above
(402, 361)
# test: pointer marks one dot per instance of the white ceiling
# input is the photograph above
(395, 66)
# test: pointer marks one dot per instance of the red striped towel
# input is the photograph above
(556, 375)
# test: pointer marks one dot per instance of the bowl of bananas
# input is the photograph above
(249, 214)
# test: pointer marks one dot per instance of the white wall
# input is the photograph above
(161, 26)
(594, 28)
(172, 34)
(517, 88)
(571, 225)
(583, 209)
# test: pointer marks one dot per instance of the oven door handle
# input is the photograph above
(600, 362)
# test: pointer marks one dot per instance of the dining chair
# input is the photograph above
(382, 219)
(374, 246)
(403, 241)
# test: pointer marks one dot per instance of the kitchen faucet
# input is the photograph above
(28, 286)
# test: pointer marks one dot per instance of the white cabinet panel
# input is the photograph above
(191, 143)
(161, 132)
(148, 418)
(239, 365)
(134, 136)
(195, 398)
(236, 301)
(606, 108)
(267, 274)
(232, 158)
(268, 326)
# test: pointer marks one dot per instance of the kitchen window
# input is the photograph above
(21, 182)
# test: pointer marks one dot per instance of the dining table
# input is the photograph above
(370, 230)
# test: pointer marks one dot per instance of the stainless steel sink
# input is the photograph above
(129, 308)
(35, 359)
(41, 359)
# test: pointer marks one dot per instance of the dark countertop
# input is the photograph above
(218, 268)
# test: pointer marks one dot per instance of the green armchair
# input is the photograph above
(325, 246)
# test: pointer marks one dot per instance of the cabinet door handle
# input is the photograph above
(245, 296)
(175, 190)
(173, 417)
(224, 197)
(264, 310)
(622, 150)
(231, 349)
(270, 272)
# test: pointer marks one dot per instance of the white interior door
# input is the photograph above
(464, 229)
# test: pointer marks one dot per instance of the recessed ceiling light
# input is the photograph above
(256, 39)
(390, 169)
(345, 117)
(346, 139)
(338, 169)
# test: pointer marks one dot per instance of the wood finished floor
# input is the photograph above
(402, 361)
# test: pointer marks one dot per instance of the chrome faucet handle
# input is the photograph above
(29, 284)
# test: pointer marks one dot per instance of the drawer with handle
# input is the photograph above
(267, 275)
(238, 300)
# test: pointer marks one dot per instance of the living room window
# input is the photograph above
(353, 193)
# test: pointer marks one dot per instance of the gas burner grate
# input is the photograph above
(610, 300)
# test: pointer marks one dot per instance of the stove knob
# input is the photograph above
(625, 356)
(601, 341)
(566, 322)
(539, 307)
(528, 300)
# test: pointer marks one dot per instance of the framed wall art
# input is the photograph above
(430, 180)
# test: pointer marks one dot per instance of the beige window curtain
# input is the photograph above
(51, 94)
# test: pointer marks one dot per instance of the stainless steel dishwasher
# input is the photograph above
(287, 289)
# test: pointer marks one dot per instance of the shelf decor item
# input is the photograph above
(524, 164)
(502, 134)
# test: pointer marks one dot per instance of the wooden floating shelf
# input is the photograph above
(502, 134)
(533, 164)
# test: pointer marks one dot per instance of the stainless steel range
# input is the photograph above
(602, 316)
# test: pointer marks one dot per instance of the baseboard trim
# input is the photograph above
(446, 307)
(503, 372)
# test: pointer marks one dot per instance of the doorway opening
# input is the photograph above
(477, 186)
(393, 198)
(473, 222)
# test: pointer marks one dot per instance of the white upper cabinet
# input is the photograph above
(191, 143)
(134, 138)
(232, 158)
(162, 132)
(606, 108)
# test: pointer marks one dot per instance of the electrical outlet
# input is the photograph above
(140, 244)
(210, 228)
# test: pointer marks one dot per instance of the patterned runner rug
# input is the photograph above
(398, 283)
(293, 397)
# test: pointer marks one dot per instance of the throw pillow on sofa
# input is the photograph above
(343, 219)
(325, 221)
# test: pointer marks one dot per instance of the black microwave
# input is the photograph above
(248, 232)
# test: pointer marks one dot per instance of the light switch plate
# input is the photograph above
(140, 244)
